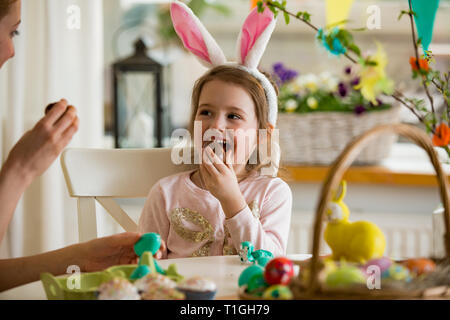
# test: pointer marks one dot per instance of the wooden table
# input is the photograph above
(223, 270)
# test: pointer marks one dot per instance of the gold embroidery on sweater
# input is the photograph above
(228, 248)
(254, 207)
(178, 215)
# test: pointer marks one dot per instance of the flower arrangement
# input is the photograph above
(373, 80)
(324, 92)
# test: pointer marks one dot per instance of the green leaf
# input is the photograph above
(353, 47)
(260, 5)
(307, 16)
(287, 18)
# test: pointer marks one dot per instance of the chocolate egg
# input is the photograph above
(279, 271)
(420, 266)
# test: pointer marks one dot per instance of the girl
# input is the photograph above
(213, 209)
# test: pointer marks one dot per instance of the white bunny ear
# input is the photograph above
(194, 35)
(254, 36)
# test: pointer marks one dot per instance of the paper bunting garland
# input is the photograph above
(425, 11)
(337, 11)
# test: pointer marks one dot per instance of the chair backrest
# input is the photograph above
(104, 174)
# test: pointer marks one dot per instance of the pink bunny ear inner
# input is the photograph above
(188, 31)
(253, 27)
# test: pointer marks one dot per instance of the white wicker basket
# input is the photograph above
(319, 137)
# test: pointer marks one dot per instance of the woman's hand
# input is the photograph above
(102, 253)
(220, 179)
(39, 147)
(161, 251)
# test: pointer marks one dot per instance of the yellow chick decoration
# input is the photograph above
(353, 241)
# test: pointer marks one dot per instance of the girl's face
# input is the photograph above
(8, 30)
(228, 109)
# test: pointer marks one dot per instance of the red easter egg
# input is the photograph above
(279, 271)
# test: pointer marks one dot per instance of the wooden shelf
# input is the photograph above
(364, 175)
(407, 166)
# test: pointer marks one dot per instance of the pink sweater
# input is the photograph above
(192, 223)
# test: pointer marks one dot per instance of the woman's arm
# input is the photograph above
(32, 155)
(94, 255)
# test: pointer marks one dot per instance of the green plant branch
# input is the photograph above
(416, 51)
(275, 5)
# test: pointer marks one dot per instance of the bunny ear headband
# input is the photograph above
(251, 44)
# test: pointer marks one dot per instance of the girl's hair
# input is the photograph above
(249, 83)
(5, 6)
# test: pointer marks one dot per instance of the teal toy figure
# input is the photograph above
(247, 254)
(146, 265)
(148, 243)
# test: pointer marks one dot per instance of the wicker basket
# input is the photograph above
(319, 137)
(314, 289)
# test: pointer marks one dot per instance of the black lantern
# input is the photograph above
(137, 102)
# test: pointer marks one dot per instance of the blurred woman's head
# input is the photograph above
(9, 22)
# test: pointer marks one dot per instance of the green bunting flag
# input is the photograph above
(425, 13)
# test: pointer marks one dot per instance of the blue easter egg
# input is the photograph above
(257, 283)
(148, 242)
(248, 273)
(140, 272)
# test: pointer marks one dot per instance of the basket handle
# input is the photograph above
(343, 162)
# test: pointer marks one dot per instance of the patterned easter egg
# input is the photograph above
(396, 272)
(420, 266)
(278, 292)
(279, 271)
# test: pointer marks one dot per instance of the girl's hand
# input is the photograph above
(102, 253)
(220, 179)
(39, 147)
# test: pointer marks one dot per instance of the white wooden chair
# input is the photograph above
(106, 174)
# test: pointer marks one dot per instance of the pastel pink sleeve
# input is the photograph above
(271, 231)
(154, 217)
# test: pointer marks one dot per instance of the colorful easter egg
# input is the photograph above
(279, 271)
(248, 273)
(344, 276)
(396, 272)
(420, 266)
(278, 292)
(148, 242)
(382, 263)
